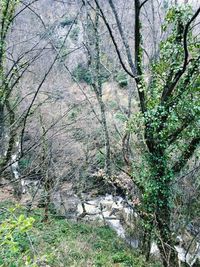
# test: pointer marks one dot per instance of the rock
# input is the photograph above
(66, 202)
(121, 217)
(154, 250)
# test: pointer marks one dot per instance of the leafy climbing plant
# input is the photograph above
(169, 122)
(14, 238)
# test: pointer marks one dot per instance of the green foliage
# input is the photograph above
(28, 241)
(184, 106)
(60, 243)
(82, 74)
(73, 114)
(74, 33)
(165, 4)
(24, 163)
(7, 11)
(178, 14)
(112, 104)
(100, 160)
(122, 79)
(170, 123)
(121, 116)
(67, 22)
(121, 257)
(104, 74)
(14, 239)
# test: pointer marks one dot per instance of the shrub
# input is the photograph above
(67, 22)
(24, 163)
(100, 159)
(74, 34)
(122, 79)
(14, 239)
(82, 74)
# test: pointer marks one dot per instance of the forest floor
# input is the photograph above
(59, 242)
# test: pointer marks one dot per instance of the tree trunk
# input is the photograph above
(161, 201)
(146, 243)
(106, 136)
(163, 219)
(46, 207)
(166, 245)
(95, 55)
(1, 130)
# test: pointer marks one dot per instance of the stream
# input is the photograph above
(115, 212)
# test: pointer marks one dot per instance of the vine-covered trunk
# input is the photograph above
(165, 241)
(161, 202)
(1, 129)
(146, 242)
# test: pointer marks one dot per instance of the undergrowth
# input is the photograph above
(25, 240)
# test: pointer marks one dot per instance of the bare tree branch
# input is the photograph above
(114, 41)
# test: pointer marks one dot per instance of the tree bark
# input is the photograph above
(95, 67)
(1, 130)
(166, 244)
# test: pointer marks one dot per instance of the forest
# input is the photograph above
(99, 133)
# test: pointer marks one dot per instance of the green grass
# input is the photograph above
(63, 243)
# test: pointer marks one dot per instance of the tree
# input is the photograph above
(94, 54)
(7, 12)
(169, 113)
(14, 65)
